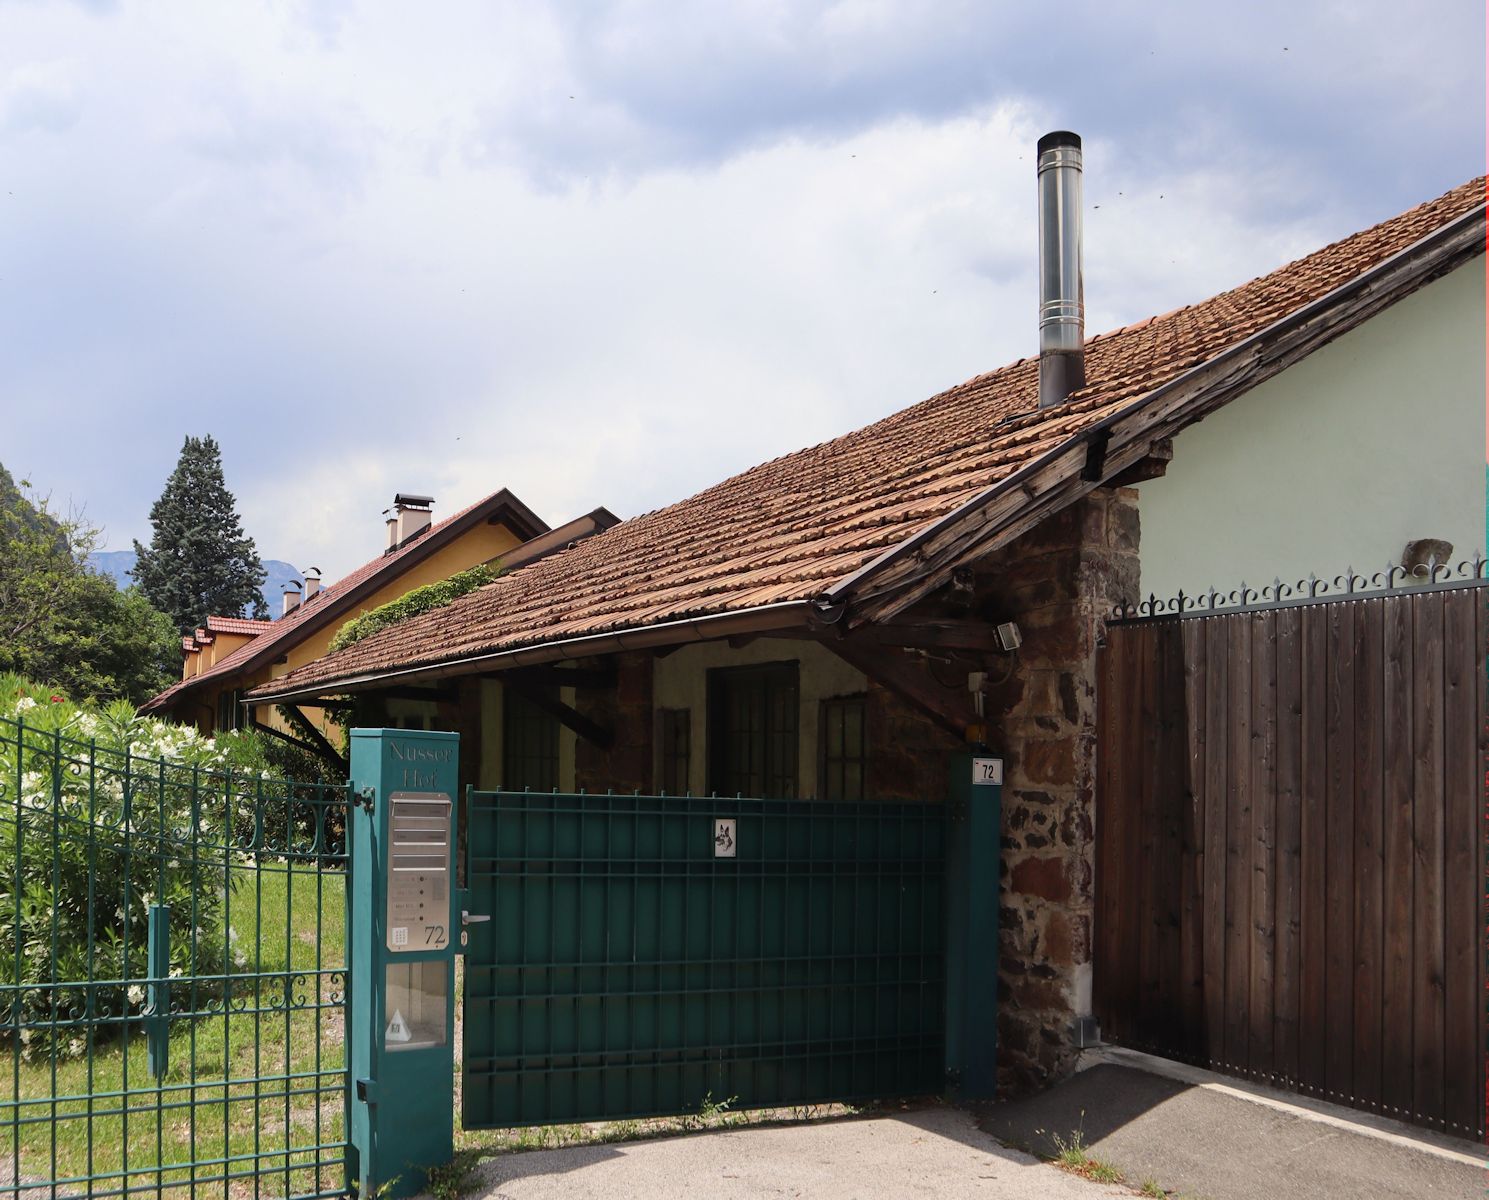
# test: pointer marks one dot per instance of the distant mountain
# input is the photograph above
(119, 563)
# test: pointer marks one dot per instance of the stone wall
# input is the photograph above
(1058, 582)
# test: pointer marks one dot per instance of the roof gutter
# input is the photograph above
(791, 614)
(833, 598)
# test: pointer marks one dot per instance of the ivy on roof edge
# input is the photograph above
(411, 604)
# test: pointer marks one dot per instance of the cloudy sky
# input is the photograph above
(608, 253)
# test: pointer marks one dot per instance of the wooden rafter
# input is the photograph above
(902, 674)
(311, 734)
(552, 675)
(973, 637)
(565, 714)
(1152, 465)
(290, 739)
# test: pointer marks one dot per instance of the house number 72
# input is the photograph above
(986, 771)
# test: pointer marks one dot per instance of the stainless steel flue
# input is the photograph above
(1062, 313)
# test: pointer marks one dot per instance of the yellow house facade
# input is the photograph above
(229, 655)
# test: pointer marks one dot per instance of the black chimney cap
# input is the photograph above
(1059, 137)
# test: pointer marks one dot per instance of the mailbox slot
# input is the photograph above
(418, 872)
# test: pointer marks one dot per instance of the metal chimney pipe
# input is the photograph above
(1062, 311)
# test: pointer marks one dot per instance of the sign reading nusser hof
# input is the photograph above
(418, 871)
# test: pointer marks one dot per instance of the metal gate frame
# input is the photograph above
(130, 995)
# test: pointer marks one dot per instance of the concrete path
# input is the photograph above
(935, 1153)
(1210, 1141)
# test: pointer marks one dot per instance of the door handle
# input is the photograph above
(470, 918)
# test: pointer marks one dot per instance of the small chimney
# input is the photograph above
(291, 600)
(312, 582)
(409, 517)
(1062, 313)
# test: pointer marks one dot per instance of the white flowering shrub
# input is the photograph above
(104, 813)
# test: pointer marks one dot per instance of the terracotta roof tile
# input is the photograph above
(789, 528)
(238, 625)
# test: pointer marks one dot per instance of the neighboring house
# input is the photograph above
(826, 624)
(229, 655)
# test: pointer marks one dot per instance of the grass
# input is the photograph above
(711, 1114)
(453, 1180)
(283, 921)
(1072, 1155)
(102, 1114)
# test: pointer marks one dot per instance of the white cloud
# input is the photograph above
(373, 250)
(38, 97)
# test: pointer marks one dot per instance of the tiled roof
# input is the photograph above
(791, 528)
(238, 625)
(188, 643)
(338, 597)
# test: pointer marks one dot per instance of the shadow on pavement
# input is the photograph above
(1204, 1142)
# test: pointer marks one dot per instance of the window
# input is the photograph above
(842, 739)
(529, 745)
(675, 740)
(229, 711)
(752, 730)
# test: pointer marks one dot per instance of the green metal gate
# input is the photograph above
(172, 974)
(640, 958)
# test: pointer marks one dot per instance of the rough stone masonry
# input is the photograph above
(1059, 582)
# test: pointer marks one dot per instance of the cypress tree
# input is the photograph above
(199, 562)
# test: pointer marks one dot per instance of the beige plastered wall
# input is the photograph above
(1375, 440)
(681, 681)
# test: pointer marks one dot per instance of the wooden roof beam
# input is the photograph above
(951, 708)
(565, 714)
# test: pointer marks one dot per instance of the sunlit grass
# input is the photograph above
(225, 1103)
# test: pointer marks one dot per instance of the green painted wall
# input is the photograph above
(1340, 460)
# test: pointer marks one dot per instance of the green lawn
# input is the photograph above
(233, 1115)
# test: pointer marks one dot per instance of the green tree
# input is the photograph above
(199, 562)
(62, 623)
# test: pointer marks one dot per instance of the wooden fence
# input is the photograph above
(1290, 868)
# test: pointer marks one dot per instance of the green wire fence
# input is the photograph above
(172, 976)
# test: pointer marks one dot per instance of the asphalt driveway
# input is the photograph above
(1195, 1136)
(937, 1153)
(1204, 1139)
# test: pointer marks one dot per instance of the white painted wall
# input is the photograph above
(1373, 441)
(681, 681)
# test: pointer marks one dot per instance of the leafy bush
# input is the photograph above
(411, 604)
(60, 620)
(102, 814)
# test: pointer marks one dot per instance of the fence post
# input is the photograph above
(974, 803)
(158, 991)
(402, 1018)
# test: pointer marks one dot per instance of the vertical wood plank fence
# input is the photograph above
(1291, 847)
